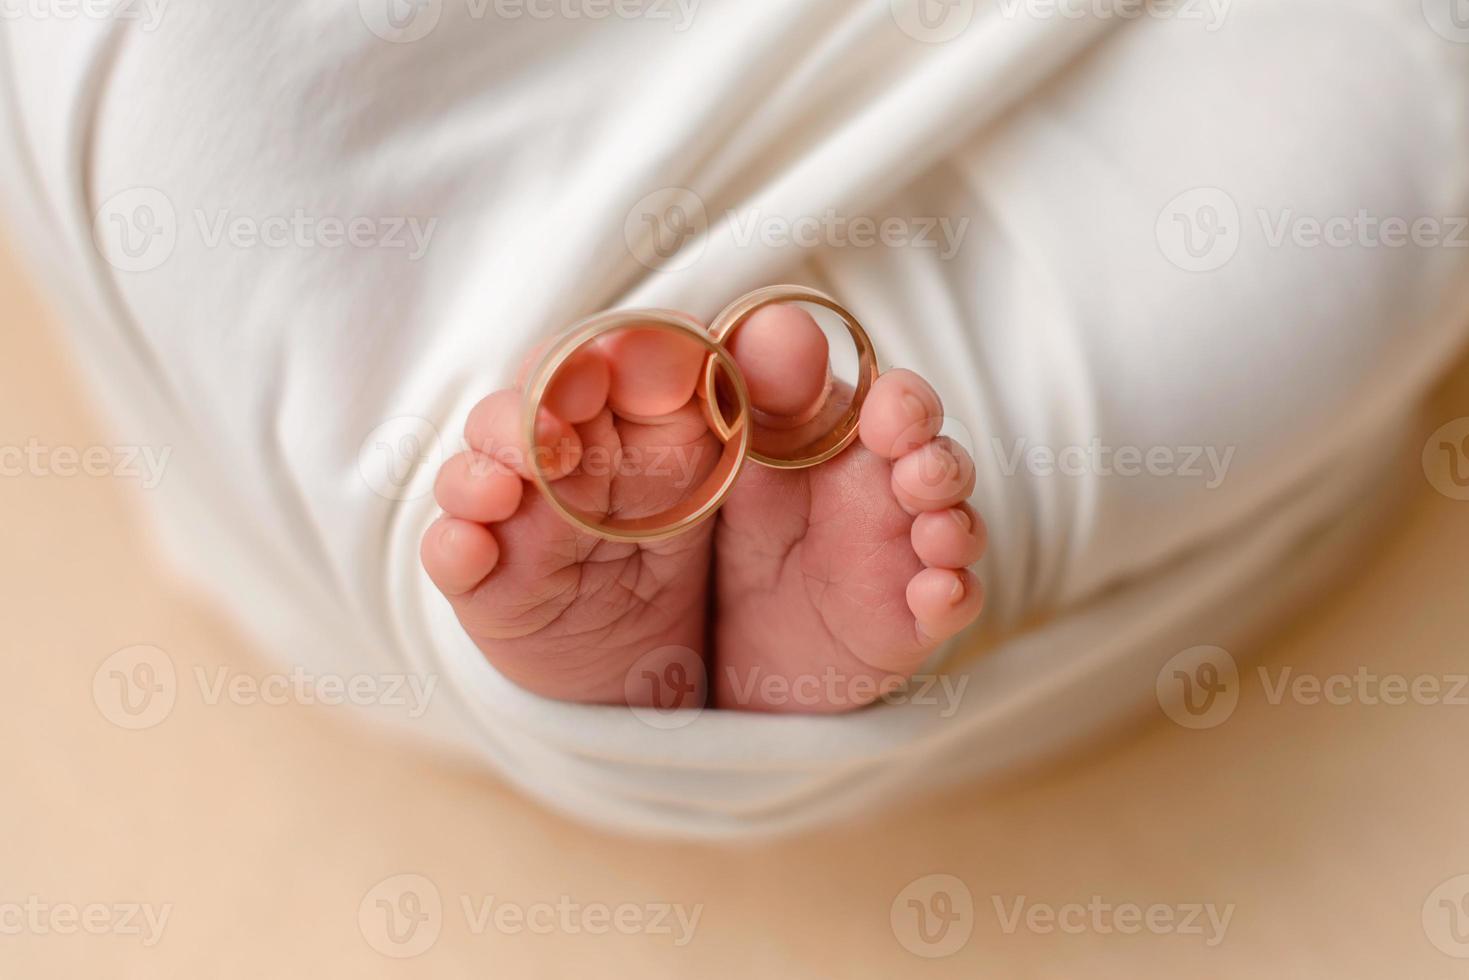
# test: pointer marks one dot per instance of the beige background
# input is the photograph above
(265, 828)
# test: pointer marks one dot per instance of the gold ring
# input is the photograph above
(841, 435)
(736, 436)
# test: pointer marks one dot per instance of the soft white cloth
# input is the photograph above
(1127, 267)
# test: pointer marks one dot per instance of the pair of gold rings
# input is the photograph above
(741, 436)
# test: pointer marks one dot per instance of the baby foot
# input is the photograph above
(833, 584)
(562, 613)
(850, 572)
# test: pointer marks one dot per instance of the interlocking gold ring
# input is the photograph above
(735, 436)
(830, 443)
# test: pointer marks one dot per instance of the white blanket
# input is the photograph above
(1149, 257)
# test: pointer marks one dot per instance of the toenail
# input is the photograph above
(957, 592)
(947, 463)
(449, 538)
(915, 406)
(962, 519)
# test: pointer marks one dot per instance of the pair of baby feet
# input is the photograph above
(815, 590)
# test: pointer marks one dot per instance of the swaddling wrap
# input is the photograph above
(298, 239)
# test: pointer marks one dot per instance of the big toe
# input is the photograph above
(784, 356)
(654, 372)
